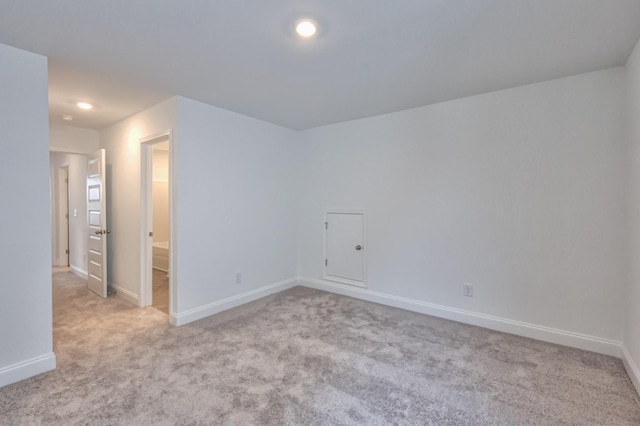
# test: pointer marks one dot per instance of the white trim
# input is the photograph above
(125, 294)
(28, 368)
(173, 318)
(547, 334)
(341, 280)
(203, 311)
(62, 195)
(146, 220)
(632, 368)
(79, 272)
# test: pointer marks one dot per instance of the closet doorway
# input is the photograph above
(157, 241)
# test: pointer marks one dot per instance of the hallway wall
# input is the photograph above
(72, 139)
(25, 305)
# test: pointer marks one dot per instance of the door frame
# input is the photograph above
(63, 216)
(146, 221)
(54, 203)
(325, 233)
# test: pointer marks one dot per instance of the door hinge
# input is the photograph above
(151, 234)
(326, 225)
(67, 251)
(66, 180)
(326, 262)
(66, 216)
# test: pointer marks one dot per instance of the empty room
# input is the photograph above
(419, 212)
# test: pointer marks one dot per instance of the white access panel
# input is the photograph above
(344, 248)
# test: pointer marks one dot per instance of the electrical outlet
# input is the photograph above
(468, 290)
(238, 277)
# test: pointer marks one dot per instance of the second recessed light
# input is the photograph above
(84, 105)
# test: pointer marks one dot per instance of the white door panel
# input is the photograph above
(344, 246)
(97, 222)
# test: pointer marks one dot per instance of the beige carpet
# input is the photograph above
(306, 357)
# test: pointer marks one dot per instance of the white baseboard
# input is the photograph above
(632, 368)
(125, 294)
(28, 368)
(173, 318)
(200, 312)
(79, 272)
(547, 334)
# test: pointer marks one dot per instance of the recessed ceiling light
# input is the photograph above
(306, 28)
(84, 105)
(66, 117)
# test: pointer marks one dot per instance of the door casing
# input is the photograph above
(146, 221)
(326, 231)
(63, 216)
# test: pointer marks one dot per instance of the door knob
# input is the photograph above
(98, 232)
(358, 247)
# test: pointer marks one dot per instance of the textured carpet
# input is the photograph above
(306, 357)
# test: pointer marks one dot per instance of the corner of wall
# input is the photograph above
(26, 348)
(27, 368)
(631, 338)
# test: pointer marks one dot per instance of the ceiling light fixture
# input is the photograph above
(305, 28)
(84, 105)
(67, 117)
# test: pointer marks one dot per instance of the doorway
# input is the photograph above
(63, 216)
(157, 238)
(68, 211)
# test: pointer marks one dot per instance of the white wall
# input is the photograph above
(77, 165)
(73, 139)
(25, 252)
(122, 144)
(236, 192)
(519, 192)
(233, 204)
(632, 320)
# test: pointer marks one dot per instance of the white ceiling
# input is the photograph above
(370, 57)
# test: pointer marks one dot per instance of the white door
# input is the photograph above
(344, 247)
(64, 216)
(97, 220)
